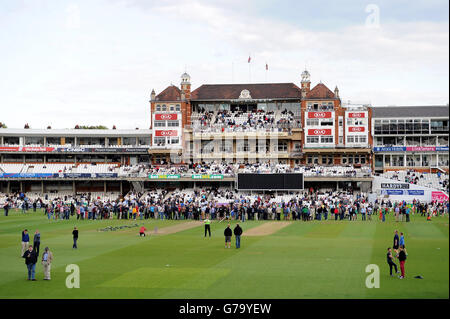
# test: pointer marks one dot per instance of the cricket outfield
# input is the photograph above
(278, 259)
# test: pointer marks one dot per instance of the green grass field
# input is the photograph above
(325, 259)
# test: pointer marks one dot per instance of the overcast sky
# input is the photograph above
(95, 62)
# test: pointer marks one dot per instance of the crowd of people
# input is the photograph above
(240, 121)
(231, 169)
(230, 204)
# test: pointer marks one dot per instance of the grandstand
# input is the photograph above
(203, 139)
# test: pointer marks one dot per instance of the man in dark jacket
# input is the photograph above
(75, 237)
(402, 258)
(37, 241)
(30, 260)
(390, 261)
(237, 233)
(228, 233)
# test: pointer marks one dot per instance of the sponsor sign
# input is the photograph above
(357, 115)
(421, 148)
(395, 185)
(102, 149)
(389, 149)
(106, 175)
(319, 115)
(439, 196)
(207, 176)
(411, 149)
(394, 192)
(26, 149)
(320, 131)
(27, 175)
(75, 175)
(170, 176)
(356, 129)
(166, 133)
(417, 192)
(165, 117)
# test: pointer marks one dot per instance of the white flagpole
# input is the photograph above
(266, 71)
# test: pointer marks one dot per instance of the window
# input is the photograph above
(326, 122)
(34, 140)
(312, 122)
(312, 139)
(327, 159)
(172, 108)
(312, 159)
(282, 147)
(326, 139)
(160, 123)
(143, 140)
(172, 123)
(159, 141)
(350, 139)
(175, 140)
(362, 139)
(178, 108)
(401, 127)
(164, 108)
(158, 108)
(377, 127)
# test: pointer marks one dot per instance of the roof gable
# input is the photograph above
(320, 91)
(171, 93)
(257, 91)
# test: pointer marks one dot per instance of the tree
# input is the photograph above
(3, 125)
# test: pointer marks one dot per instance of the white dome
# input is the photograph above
(185, 77)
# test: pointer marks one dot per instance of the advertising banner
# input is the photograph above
(166, 133)
(170, 176)
(389, 149)
(421, 148)
(394, 192)
(26, 149)
(356, 129)
(165, 117)
(102, 149)
(320, 131)
(106, 175)
(357, 115)
(416, 192)
(27, 175)
(395, 185)
(439, 196)
(319, 115)
(207, 176)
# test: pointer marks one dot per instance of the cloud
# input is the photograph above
(105, 71)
